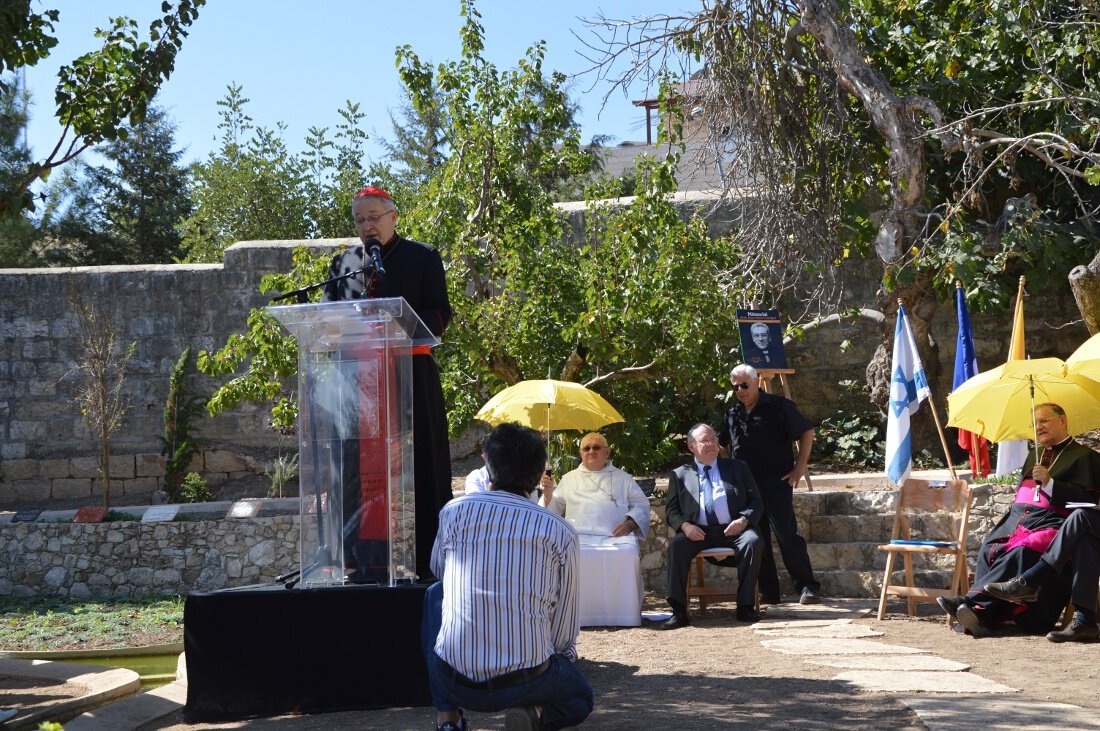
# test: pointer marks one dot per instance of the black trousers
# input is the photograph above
(682, 550)
(1078, 542)
(778, 497)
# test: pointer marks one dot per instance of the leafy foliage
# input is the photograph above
(178, 444)
(194, 489)
(99, 91)
(269, 353)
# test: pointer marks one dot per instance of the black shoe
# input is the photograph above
(1014, 590)
(461, 725)
(951, 604)
(522, 718)
(769, 597)
(971, 622)
(809, 596)
(748, 615)
(676, 621)
(1075, 632)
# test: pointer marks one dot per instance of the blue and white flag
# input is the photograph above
(908, 387)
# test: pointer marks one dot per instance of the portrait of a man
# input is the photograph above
(761, 339)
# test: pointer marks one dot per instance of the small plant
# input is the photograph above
(177, 444)
(1012, 478)
(850, 439)
(194, 489)
(117, 516)
(100, 373)
(281, 471)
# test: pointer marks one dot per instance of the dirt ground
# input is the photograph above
(715, 674)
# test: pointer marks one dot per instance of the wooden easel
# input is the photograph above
(766, 375)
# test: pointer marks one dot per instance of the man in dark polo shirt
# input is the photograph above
(759, 429)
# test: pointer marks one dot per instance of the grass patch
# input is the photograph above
(47, 623)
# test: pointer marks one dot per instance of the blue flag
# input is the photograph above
(908, 387)
(966, 366)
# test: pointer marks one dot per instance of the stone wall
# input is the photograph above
(46, 453)
(126, 559)
(130, 558)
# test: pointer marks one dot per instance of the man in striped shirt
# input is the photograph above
(500, 627)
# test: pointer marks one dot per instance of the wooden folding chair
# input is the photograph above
(927, 503)
(712, 594)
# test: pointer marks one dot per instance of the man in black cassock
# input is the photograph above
(1067, 471)
(414, 271)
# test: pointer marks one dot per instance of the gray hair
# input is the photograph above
(745, 370)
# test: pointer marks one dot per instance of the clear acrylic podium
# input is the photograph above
(355, 436)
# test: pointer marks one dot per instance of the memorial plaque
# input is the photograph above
(160, 513)
(27, 515)
(91, 514)
(244, 509)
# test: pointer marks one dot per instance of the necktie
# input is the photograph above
(707, 488)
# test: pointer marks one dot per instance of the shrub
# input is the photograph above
(194, 489)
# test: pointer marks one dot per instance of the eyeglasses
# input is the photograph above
(593, 448)
(741, 387)
(373, 220)
(706, 441)
(1048, 419)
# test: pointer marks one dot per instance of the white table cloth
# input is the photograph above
(611, 582)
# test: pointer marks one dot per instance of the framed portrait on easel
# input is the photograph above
(761, 339)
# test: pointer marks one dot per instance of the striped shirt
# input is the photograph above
(509, 572)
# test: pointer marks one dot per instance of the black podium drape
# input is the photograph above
(264, 651)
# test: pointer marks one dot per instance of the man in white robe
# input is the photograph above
(611, 513)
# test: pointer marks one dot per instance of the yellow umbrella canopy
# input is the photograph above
(1085, 361)
(998, 403)
(549, 405)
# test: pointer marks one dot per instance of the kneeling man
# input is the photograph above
(712, 503)
(610, 512)
(500, 627)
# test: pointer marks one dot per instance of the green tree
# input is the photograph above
(252, 188)
(144, 194)
(99, 91)
(17, 232)
(612, 310)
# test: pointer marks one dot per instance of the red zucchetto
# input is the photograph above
(373, 191)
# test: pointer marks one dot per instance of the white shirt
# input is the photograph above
(478, 481)
(510, 576)
(721, 505)
(595, 501)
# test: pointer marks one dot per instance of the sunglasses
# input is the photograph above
(740, 387)
(593, 448)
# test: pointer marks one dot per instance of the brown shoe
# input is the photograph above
(1075, 632)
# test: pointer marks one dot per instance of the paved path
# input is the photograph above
(824, 635)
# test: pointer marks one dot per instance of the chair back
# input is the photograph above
(933, 496)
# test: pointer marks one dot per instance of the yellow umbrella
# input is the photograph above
(998, 403)
(549, 405)
(1085, 361)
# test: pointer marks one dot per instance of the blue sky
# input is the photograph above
(299, 61)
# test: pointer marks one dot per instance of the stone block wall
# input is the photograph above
(125, 559)
(130, 558)
(45, 449)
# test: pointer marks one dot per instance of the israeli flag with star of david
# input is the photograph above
(908, 387)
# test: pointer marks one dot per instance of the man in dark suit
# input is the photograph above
(1067, 471)
(712, 503)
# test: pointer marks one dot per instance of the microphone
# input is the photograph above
(374, 249)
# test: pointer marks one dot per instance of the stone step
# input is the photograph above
(854, 583)
(834, 528)
(865, 556)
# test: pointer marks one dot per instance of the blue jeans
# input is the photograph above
(561, 690)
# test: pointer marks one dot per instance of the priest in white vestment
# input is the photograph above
(611, 513)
